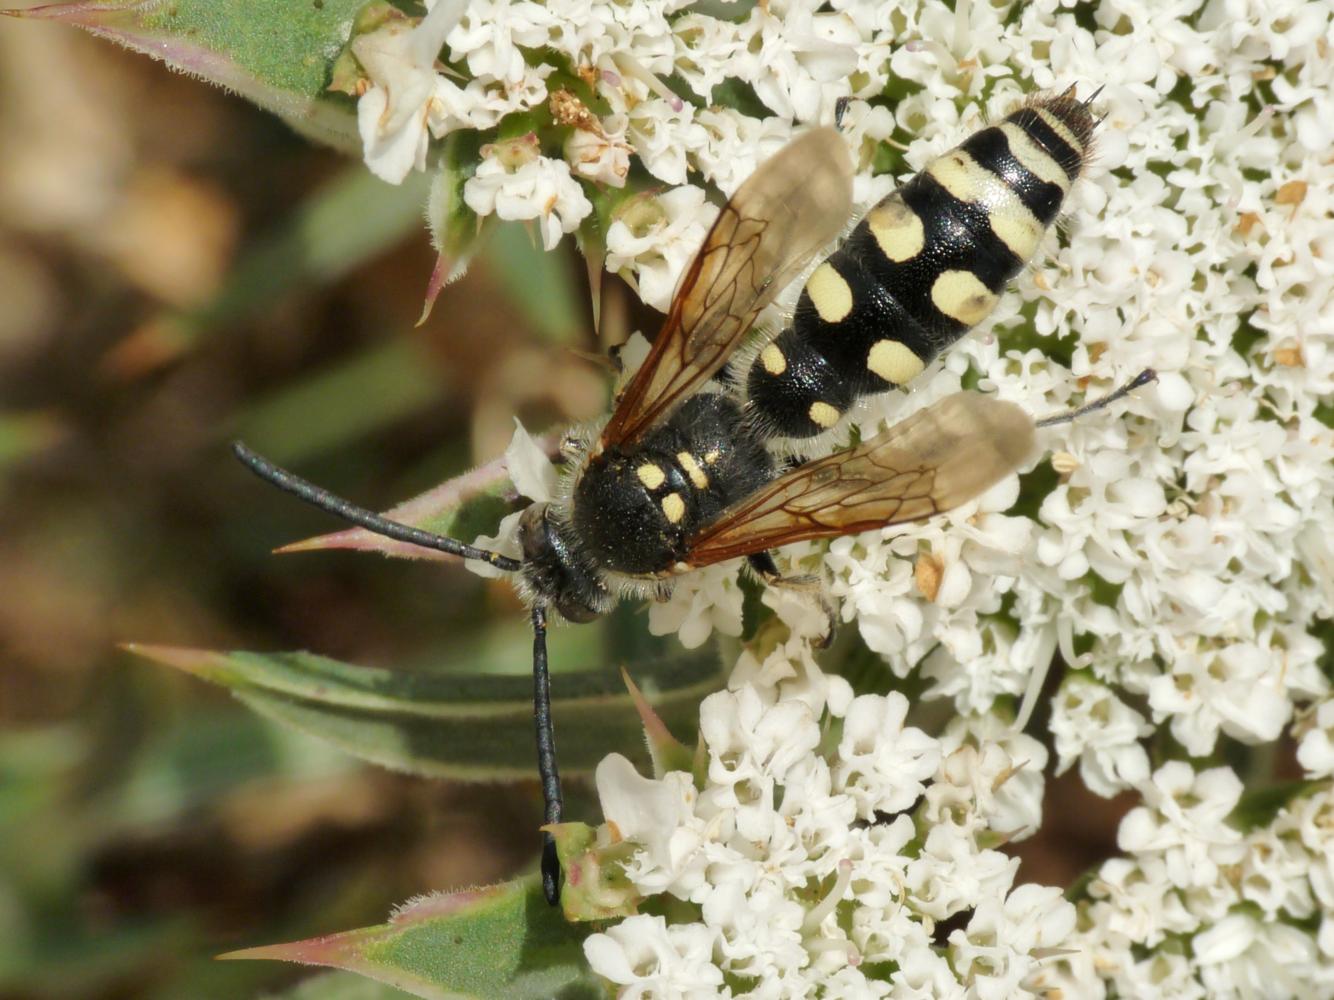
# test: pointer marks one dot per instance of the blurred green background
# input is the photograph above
(177, 269)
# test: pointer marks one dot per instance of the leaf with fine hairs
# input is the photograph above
(502, 942)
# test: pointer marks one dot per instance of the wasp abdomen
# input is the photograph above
(924, 266)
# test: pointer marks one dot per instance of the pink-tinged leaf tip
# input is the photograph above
(666, 750)
(359, 539)
(440, 277)
(348, 949)
(200, 662)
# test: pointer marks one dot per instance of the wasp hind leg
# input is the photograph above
(807, 583)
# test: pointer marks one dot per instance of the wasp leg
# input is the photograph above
(807, 583)
(546, 755)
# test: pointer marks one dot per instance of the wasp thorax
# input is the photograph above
(631, 511)
(636, 507)
(556, 571)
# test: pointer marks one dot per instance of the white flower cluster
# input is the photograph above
(822, 859)
(798, 60)
(1177, 561)
(1199, 908)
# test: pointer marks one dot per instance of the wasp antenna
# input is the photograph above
(1142, 379)
(290, 482)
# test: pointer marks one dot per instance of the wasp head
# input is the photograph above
(555, 570)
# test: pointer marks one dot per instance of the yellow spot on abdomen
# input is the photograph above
(962, 297)
(823, 415)
(651, 475)
(830, 293)
(696, 474)
(772, 359)
(673, 508)
(1018, 229)
(897, 229)
(894, 362)
(969, 181)
(973, 183)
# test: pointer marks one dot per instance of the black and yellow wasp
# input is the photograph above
(682, 474)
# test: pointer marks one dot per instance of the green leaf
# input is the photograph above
(503, 942)
(339, 986)
(277, 55)
(469, 727)
(455, 228)
(668, 753)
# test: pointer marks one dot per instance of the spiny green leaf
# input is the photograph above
(503, 942)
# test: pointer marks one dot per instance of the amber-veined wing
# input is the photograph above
(792, 206)
(938, 458)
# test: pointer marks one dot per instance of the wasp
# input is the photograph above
(684, 472)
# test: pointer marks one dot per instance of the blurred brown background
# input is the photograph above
(177, 269)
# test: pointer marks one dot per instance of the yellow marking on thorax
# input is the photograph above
(897, 229)
(1033, 158)
(961, 296)
(711, 456)
(772, 359)
(830, 293)
(651, 475)
(696, 474)
(823, 415)
(894, 362)
(673, 508)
